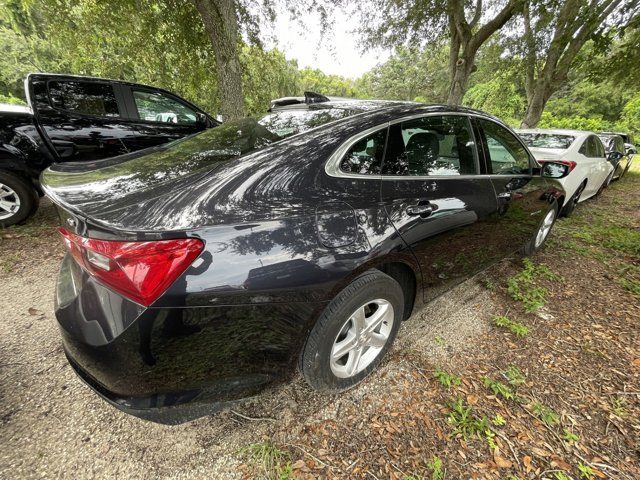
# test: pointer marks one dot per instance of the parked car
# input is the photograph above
(617, 154)
(582, 152)
(202, 271)
(71, 119)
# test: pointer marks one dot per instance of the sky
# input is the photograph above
(338, 53)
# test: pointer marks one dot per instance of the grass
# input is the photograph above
(8, 263)
(435, 465)
(267, 457)
(447, 380)
(523, 286)
(518, 329)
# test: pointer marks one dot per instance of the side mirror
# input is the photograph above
(201, 119)
(555, 170)
(615, 156)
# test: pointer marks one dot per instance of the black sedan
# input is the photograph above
(202, 271)
(617, 154)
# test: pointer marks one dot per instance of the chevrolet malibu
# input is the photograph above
(202, 271)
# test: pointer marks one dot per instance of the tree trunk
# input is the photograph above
(221, 23)
(540, 95)
(459, 82)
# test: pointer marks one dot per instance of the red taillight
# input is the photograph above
(141, 271)
(570, 163)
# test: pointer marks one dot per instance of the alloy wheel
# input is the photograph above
(361, 338)
(9, 202)
(545, 228)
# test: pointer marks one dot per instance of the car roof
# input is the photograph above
(556, 131)
(10, 108)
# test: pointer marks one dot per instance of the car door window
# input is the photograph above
(157, 107)
(506, 155)
(365, 156)
(584, 149)
(86, 98)
(431, 146)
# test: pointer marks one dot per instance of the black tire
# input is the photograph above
(530, 248)
(26, 195)
(572, 203)
(315, 361)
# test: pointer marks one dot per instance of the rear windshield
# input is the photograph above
(547, 140)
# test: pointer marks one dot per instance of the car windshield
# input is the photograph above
(547, 140)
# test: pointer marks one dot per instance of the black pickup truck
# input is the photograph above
(81, 119)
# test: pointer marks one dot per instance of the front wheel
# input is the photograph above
(353, 333)
(18, 200)
(571, 205)
(537, 240)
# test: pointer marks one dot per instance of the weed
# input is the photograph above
(447, 379)
(570, 437)
(619, 407)
(464, 421)
(498, 388)
(270, 459)
(560, 476)
(514, 376)
(488, 284)
(522, 286)
(435, 465)
(585, 471)
(544, 413)
(498, 420)
(489, 436)
(440, 341)
(518, 329)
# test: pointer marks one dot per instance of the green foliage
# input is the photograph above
(498, 420)
(544, 413)
(561, 476)
(499, 96)
(586, 471)
(516, 328)
(522, 287)
(514, 376)
(570, 437)
(435, 465)
(464, 421)
(498, 388)
(333, 85)
(447, 380)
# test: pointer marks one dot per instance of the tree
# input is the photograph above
(553, 37)
(221, 23)
(420, 21)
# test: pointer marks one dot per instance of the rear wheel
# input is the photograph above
(537, 240)
(18, 200)
(570, 206)
(353, 333)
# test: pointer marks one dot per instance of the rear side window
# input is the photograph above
(365, 156)
(506, 155)
(431, 146)
(156, 107)
(599, 147)
(86, 98)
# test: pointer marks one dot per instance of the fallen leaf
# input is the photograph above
(33, 311)
(527, 463)
(298, 465)
(501, 461)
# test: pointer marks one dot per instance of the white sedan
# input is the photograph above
(583, 152)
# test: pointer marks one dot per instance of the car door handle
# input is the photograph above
(505, 195)
(423, 210)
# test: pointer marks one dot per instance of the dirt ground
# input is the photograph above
(529, 370)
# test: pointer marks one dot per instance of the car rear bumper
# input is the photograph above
(174, 364)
